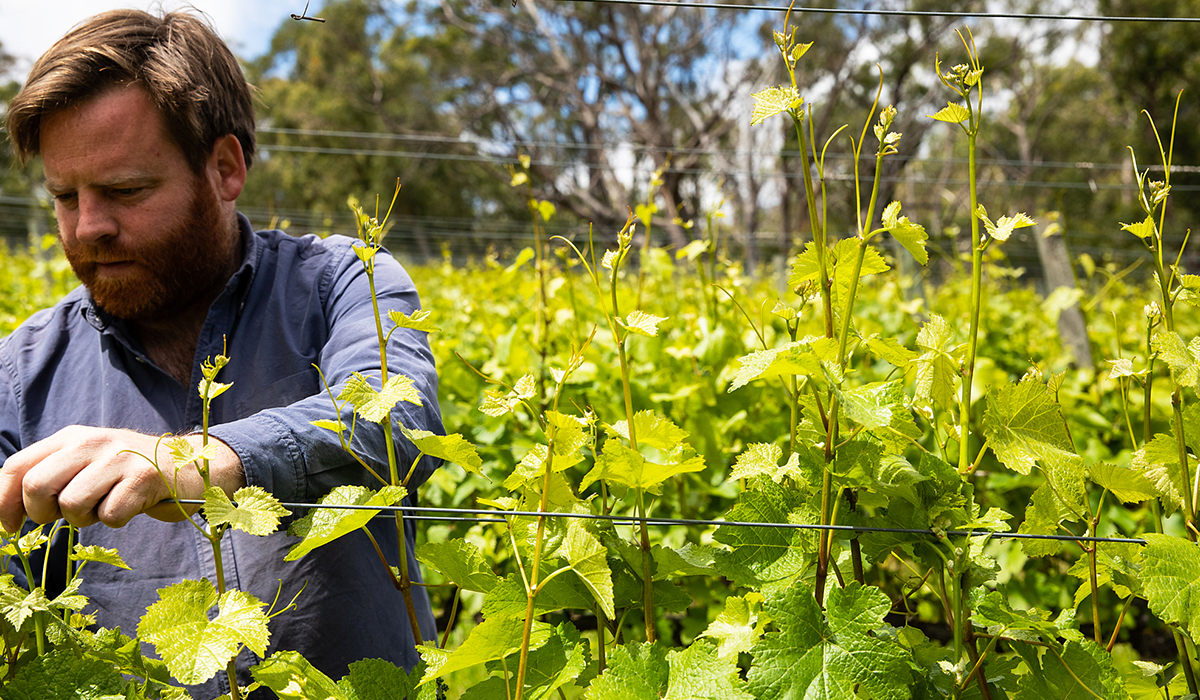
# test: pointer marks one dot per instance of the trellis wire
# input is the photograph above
(630, 520)
(894, 13)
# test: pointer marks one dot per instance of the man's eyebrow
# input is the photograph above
(115, 182)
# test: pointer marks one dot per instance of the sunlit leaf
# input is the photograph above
(953, 113)
(1146, 228)
(376, 406)
(94, 552)
(452, 448)
(1023, 424)
(418, 320)
(324, 525)
(460, 562)
(651, 429)
(493, 639)
(194, 647)
(184, 452)
(257, 512)
(830, 655)
(292, 677)
(1184, 360)
(642, 323)
(937, 366)
(772, 101)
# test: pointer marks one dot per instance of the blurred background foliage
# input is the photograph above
(446, 95)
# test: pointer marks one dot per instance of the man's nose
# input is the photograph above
(94, 219)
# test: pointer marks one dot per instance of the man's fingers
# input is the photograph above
(12, 478)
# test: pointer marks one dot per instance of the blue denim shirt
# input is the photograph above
(294, 303)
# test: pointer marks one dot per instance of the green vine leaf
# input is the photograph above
(376, 679)
(765, 557)
(789, 359)
(376, 406)
(937, 366)
(772, 101)
(418, 320)
(194, 647)
(292, 677)
(762, 459)
(642, 323)
(324, 525)
(1184, 360)
(556, 664)
(1126, 484)
(873, 406)
(618, 464)
(589, 560)
(738, 627)
(826, 657)
(493, 639)
(688, 560)
(460, 562)
(532, 466)
(992, 612)
(508, 598)
(61, 675)
(635, 672)
(94, 552)
(183, 452)
(1143, 229)
(19, 606)
(1116, 565)
(1158, 461)
(1003, 229)
(452, 448)
(952, 113)
(1171, 580)
(257, 512)
(911, 236)
(652, 429)
(1083, 671)
(1023, 425)
(639, 671)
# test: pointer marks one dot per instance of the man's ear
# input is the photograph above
(226, 167)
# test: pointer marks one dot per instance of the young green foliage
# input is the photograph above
(324, 525)
(826, 655)
(193, 646)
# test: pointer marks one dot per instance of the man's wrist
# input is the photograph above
(225, 469)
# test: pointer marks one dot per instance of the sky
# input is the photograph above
(29, 27)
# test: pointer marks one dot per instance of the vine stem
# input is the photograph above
(964, 406)
(532, 591)
(393, 469)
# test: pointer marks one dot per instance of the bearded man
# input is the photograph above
(145, 128)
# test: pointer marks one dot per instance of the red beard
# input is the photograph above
(171, 272)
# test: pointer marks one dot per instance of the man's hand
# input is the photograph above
(90, 475)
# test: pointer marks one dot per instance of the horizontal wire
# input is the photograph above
(630, 520)
(636, 148)
(892, 13)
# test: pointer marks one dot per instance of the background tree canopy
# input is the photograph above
(447, 96)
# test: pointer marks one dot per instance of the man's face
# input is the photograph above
(146, 235)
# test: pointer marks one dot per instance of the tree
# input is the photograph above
(1149, 63)
(600, 95)
(351, 105)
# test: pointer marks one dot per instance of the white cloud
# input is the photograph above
(27, 29)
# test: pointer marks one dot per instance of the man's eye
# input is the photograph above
(65, 198)
(127, 191)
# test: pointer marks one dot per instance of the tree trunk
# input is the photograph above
(1056, 265)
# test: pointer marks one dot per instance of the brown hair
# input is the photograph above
(186, 69)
